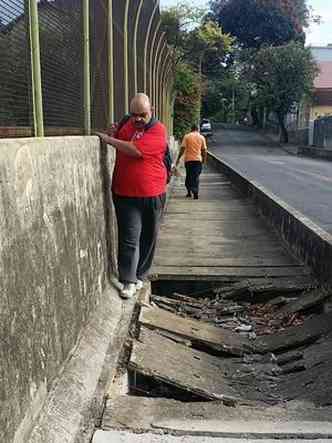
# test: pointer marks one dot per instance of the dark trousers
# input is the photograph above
(193, 171)
(138, 225)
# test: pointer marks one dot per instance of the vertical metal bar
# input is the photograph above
(146, 43)
(86, 68)
(36, 69)
(138, 15)
(110, 92)
(157, 63)
(125, 58)
(152, 62)
(163, 84)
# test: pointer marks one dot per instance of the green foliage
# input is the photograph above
(226, 98)
(187, 102)
(254, 23)
(283, 75)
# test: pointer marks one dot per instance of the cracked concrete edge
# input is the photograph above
(130, 437)
(301, 234)
(77, 398)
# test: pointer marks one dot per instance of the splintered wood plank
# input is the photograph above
(305, 301)
(196, 331)
(296, 336)
(248, 272)
(193, 371)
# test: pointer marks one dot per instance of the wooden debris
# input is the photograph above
(296, 336)
(305, 301)
(184, 368)
(261, 290)
(199, 333)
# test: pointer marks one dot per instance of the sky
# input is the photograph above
(317, 35)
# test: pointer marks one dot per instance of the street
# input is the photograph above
(304, 183)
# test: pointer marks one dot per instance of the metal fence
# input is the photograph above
(323, 133)
(67, 66)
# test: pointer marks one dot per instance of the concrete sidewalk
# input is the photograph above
(303, 183)
(129, 437)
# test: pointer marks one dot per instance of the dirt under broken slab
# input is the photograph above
(217, 344)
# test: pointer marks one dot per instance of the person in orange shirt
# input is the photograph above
(195, 154)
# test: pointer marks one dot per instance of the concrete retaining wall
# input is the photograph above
(53, 258)
(305, 239)
(62, 325)
(321, 153)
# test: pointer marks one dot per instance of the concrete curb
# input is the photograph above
(130, 437)
(317, 153)
(77, 398)
(305, 239)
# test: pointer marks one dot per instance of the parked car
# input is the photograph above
(206, 127)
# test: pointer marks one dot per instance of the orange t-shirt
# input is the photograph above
(193, 143)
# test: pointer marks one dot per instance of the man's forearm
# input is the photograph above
(128, 148)
(204, 156)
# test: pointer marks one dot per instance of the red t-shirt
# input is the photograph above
(145, 176)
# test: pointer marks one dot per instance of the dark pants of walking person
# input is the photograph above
(193, 171)
(138, 225)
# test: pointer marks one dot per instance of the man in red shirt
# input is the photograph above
(139, 191)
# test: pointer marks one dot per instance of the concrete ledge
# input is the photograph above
(77, 398)
(324, 154)
(305, 239)
(129, 437)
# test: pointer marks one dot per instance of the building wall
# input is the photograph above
(320, 111)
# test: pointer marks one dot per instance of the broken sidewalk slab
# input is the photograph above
(203, 334)
(249, 429)
(293, 337)
(140, 413)
(305, 301)
(189, 370)
(261, 290)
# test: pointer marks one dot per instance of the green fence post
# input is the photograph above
(126, 75)
(148, 31)
(152, 64)
(138, 15)
(86, 68)
(37, 95)
(110, 92)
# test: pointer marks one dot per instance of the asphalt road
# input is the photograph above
(304, 183)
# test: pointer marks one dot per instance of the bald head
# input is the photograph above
(141, 110)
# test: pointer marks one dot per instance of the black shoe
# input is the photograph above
(195, 196)
(188, 195)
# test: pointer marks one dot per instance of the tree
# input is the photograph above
(254, 22)
(297, 10)
(187, 102)
(193, 38)
(282, 77)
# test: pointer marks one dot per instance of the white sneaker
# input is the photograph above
(139, 285)
(116, 283)
(128, 290)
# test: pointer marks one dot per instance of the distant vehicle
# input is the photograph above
(206, 128)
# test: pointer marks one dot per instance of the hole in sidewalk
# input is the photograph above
(146, 386)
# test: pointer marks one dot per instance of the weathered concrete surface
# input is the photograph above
(129, 437)
(76, 401)
(141, 414)
(53, 260)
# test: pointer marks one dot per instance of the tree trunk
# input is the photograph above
(283, 129)
(254, 115)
